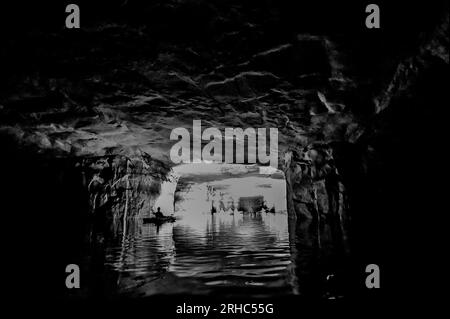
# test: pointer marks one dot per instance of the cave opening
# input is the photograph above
(240, 248)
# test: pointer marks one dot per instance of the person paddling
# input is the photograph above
(158, 213)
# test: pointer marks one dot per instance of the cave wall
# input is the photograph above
(370, 191)
(121, 186)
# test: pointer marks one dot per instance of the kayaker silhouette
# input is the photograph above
(158, 213)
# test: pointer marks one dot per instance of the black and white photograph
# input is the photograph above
(222, 158)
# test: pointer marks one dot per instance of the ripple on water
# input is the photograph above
(231, 255)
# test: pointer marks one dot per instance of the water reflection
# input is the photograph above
(240, 253)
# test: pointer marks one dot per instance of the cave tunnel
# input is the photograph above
(242, 248)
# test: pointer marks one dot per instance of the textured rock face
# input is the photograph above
(319, 213)
(432, 53)
(243, 85)
(306, 55)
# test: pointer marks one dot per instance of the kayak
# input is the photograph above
(159, 220)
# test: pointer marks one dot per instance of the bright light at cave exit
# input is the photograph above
(231, 181)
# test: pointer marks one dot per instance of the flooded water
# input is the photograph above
(226, 253)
